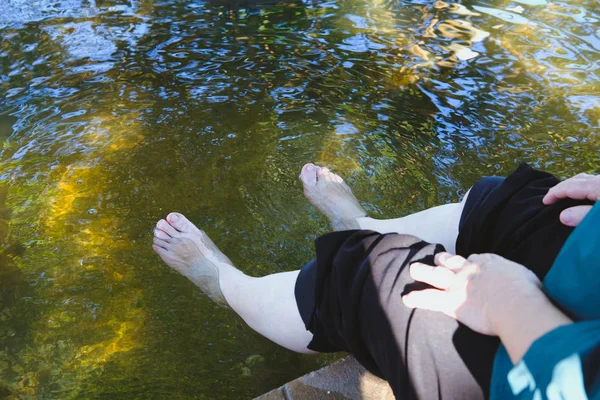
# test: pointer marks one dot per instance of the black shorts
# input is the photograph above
(350, 296)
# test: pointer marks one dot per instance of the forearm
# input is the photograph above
(526, 315)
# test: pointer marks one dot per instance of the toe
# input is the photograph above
(181, 223)
(161, 251)
(333, 177)
(161, 234)
(322, 174)
(306, 167)
(160, 243)
(308, 175)
(330, 176)
(164, 226)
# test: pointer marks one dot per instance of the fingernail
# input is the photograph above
(174, 217)
(310, 168)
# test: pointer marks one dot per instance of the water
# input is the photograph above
(113, 113)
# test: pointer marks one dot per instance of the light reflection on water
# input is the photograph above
(114, 113)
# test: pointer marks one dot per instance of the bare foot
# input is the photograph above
(330, 194)
(190, 252)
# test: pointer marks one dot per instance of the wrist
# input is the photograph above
(525, 316)
(509, 300)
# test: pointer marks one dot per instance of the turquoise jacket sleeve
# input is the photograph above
(565, 362)
(562, 364)
(573, 282)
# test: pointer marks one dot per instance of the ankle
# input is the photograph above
(229, 272)
(231, 283)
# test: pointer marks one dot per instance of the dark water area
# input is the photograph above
(114, 113)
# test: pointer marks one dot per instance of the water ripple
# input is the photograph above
(114, 113)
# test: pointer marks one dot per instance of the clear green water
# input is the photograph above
(113, 113)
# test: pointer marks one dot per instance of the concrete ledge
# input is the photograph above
(344, 380)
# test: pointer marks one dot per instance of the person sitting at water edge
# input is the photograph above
(444, 303)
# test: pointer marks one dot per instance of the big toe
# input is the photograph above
(308, 175)
(181, 223)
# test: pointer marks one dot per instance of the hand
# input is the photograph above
(478, 291)
(580, 187)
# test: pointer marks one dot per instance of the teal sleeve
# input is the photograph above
(573, 282)
(562, 364)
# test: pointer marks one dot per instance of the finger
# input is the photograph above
(428, 299)
(574, 188)
(483, 258)
(435, 276)
(450, 261)
(439, 258)
(583, 175)
(574, 215)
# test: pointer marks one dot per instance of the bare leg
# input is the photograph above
(434, 225)
(267, 304)
(330, 194)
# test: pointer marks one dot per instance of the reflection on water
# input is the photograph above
(113, 113)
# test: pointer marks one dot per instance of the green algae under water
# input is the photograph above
(113, 113)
